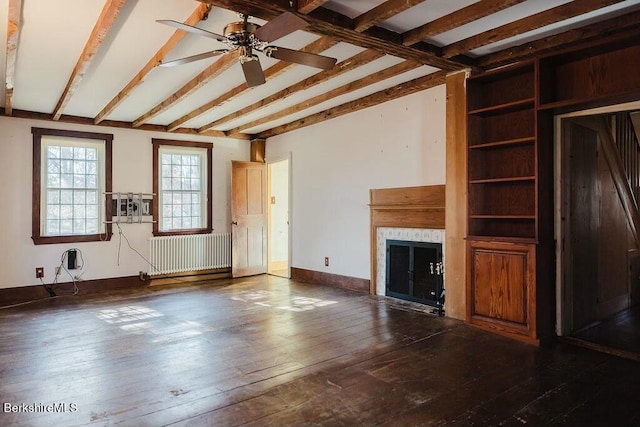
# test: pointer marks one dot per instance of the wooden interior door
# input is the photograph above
(248, 219)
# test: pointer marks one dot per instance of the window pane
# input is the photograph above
(72, 166)
(53, 211)
(66, 226)
(53, 152)
(53, 197)
(53, 227)
(79, 226)
(79, 181)
(92, 197)
(66, 197)
(66, 166)
(66, 152)
(53, 180)
(92, 181)
(80, 167)
(66, 180)
(79, 153)
(92, 226)
(92, 154)
(53, 166)
(181, 185)
(91, 211)
(92, 168)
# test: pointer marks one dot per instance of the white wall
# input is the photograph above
(132, 171)
(335, 163)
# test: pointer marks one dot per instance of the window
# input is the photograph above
(71, 173)
(182, 182)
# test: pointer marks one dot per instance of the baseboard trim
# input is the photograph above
(23, 294)
(329, 279)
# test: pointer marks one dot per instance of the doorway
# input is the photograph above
(596, 233)
(278, 214)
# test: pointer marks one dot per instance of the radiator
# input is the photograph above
(176, 254)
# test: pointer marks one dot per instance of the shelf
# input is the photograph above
(503, 125)
(499, 180)
(502, 239)
(523, 217)
(493, 144)
(500, 108)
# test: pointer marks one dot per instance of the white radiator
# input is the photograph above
(176, 254)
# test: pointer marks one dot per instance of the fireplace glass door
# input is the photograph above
(415, 272)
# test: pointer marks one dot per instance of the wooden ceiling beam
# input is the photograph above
(382, 12)
(521, 26)
(22, 114)
(327, 22)
(106, 19)
(403, 89)
(624, 27)
(317, 46)
(200, 13)
(340, 68)
(455, 19)
(308, 6)
(387, 73)
(13, 35)
(212, 71)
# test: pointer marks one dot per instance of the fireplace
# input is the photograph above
(414, 272)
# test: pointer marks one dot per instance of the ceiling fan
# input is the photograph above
(248, 38)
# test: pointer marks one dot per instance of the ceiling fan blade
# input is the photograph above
(197, 57)
(279, 27)
(253, 73)
(192, 30)
(299, 57)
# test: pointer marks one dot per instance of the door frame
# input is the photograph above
(563, 307)
(281, 158)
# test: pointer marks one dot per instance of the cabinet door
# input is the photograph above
(501, 294)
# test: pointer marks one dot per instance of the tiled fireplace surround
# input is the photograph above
(406, 234)
(414, 214)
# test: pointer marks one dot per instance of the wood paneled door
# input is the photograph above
(248, 218)
(501, 297)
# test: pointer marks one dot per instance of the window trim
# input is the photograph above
(36, 213)
(157, 143)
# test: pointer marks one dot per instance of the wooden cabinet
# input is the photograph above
(503, 201)
(501, 296)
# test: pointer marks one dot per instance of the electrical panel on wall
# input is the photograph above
(131, 208)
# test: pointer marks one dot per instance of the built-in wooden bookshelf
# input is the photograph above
(502, 154)
(503, 201)
(510, 144)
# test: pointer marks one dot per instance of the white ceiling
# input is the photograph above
(54, 33)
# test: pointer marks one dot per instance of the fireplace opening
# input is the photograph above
(415, 272)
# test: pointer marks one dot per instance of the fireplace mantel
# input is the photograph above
(404, 207)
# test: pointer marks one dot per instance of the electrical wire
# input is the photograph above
(121, 235)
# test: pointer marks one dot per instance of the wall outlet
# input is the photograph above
(39, 272)
(326, 261)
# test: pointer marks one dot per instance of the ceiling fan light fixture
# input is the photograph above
(250, 37)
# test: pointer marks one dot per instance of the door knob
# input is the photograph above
(234, 222)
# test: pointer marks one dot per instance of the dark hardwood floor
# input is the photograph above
(266, 351)
(619, 334)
